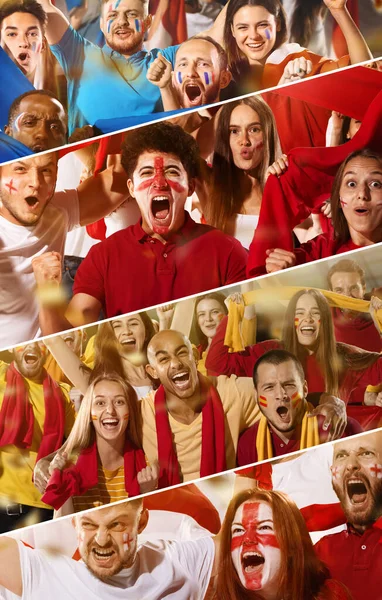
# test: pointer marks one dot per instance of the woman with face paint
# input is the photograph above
(209, 311)
(329, 366)
(106, 441)
(265, 552)
(119, 347)
(255, 33)
(246, 145)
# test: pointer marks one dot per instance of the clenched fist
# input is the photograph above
(47, 268)
(159, 72)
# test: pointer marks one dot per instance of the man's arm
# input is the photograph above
(10, 570)
(57, 22)
(82, 310)
(101, 194)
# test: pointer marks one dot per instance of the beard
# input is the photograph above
(361, 516)
(130, 46)
(120, 562)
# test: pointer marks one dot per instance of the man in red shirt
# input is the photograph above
(358, 329)
(354, 556)
(285, 425)
(163, 257)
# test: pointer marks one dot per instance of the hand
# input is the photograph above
(165, 315)
(326, 209)
(160, 71)
(59, 462)
(279, 259)
(47, 268)
(337, 120)
(236, 297)
(335, 4)
(372, 399)
(279, 166)
(148, 478)
(76, 396)
(375, 305)
(334, 411)
(41, 474)
(296, 69)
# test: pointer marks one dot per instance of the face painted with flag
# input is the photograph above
(255, 551)
(281, 395)
(124, 23)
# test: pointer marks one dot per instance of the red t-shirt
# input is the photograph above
(131, 270)
(355, 560)
(356, 330)
(247, 453)
(321, 246)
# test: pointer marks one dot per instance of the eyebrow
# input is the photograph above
(371, 173)
(249, 125)
(176, 350)
(31, 28)
(257, 522)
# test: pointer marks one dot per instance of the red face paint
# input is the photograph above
(343, 203)
(126, 417)
(10, 186)
(160, 180)
(259, 145)
(335, 471)
(296, 321)
(376, 470)
(263, 401)
(94, 418)
(296, 399)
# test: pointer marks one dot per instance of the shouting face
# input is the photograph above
(307, 320)
(172, 362)
(74, 340)
(107, 538)
(255, 551)
(130, 333)
(22, 36)
(30, 360)
(26, 188)
(109, 410)
(160, 186)
(255, 30)
(281, 395)
(357, 478)
(361, 199)
(246, 138)
(124, 23)
(198, 76)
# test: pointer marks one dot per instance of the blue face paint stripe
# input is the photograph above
(179, 75)
(137, 24)
(206, 78)
(267, 34)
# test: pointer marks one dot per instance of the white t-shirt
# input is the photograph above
(178, 570)
(245, 228)
(18, 246)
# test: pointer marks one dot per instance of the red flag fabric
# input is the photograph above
(174, 23)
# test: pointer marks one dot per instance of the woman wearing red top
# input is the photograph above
(209, 311)
(308, 333)
(265, 551)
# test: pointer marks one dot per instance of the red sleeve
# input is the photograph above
(361, 379)
(221, 362)
(89, 278)
(318, 247)
(246, 450)
(237, 262)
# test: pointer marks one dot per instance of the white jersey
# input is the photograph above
(18, 246)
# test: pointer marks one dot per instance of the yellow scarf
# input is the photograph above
(239, 330)
(309, 435)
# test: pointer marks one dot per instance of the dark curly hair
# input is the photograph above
(24, 6)
(161, 137)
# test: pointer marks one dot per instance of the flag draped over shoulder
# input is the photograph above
(173, 28)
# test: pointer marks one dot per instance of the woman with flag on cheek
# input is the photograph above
(265, 552)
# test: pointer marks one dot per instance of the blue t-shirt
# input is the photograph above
(102, 84)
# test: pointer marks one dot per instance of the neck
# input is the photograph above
(128, 53)
(250, 191)
(135, 374)
(39, 378)
(185, 410)
(285, 436)
(111, 452)
(163, 237)
(365, 239)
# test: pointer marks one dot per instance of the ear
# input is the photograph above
(305, 388)
(232, 31)
(151, 371)
(147, 22)
(43, 45)
(191, 187)
(7, 130)
(144, 518)
(278, 24)
(130, 187)
(225, 78)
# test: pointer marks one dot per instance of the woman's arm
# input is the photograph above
(358, 48)
(217, 29)
(69, 362)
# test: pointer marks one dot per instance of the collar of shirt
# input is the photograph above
(136, 57)
(184, 234)
(377, 525)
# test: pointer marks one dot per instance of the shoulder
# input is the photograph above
(249, 434)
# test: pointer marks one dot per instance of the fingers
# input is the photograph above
(326, 209)
(41, 475)
(236, 297)
(47, 268)
(58, 462)
(159, 71)
(279, 166)
(297, 69)
(279, 259)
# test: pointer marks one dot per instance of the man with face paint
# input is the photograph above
(285, 425)
(112, 566)
(357, 329)
(354, 556)
(38, 120)
(149, 263)
(201, 71)
(110, 81)
(36, 415)
(34, 222)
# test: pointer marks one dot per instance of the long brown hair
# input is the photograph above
(225, 201)
(201, 338)
(107, 354)
(302, 574)
(237, 62)
(303, 20)
(340, 225)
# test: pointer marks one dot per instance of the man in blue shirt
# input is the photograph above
(108, 82)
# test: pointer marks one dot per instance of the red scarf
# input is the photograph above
(289, 199)
(82, 476)
(213, 457)
(17, 417)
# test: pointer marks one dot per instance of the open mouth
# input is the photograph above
(110, 424)
(160, 207)
(69, 339)
(256, 46)
(181, 380)
(123, 32)
(307, 330)
(361, 211)
(283, 413)
(357, 491)
(193, 93)
(23, 56)
(30, 358)
(32, 201)
(102, 555)
(40, 147)
(128, 342)
(252, 561)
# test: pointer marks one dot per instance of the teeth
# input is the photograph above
(110, 422)
(160, 198)
(103, 552)
(179, 375)
(252, 554)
